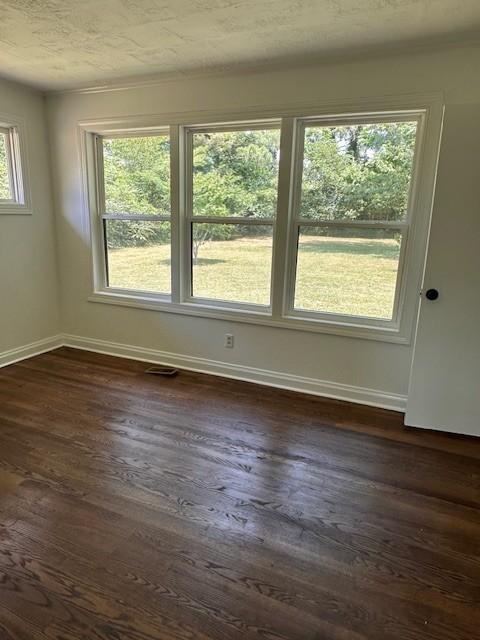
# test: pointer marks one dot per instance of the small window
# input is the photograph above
(6, 190)
(135, 207)
(352, 216)
(233, 208)
(11, 182)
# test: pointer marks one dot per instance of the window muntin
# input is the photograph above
(135, 207)
(353, 182)
(232, 198)
(287, 301)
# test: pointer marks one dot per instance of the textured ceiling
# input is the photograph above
(57, 44)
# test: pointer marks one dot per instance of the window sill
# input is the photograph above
(152, 303)
(12, 209)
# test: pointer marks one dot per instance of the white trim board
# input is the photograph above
(302, 384)
(29, 350)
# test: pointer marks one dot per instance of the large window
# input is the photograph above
(232, 203)
(12, 196)
(352, 215)
(135, 206)
(302, 222)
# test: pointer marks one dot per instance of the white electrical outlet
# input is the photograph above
(229, 341)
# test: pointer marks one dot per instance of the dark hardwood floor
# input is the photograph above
(136, 507)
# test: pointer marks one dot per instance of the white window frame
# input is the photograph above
(296, 222)
(105, 215)
(190, 218)
(428, 110)
(14, 132)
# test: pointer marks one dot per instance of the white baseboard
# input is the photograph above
(303, 384)
(337, 391)
(33, 349)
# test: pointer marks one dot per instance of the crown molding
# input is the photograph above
(281, 64)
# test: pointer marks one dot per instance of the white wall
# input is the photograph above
(29, 309)
(376, 365)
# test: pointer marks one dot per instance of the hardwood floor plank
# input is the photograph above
(137, 507)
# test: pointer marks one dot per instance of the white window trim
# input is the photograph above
(429, 110)
(100, 200)
(296, 222)
(15, 131)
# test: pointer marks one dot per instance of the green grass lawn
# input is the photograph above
(341, 275)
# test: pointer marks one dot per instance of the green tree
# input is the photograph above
(137, 181)
(359, 172)
(234, 174)
(354, 172)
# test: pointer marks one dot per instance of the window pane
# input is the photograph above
(357, 172)
(232, 262)
(5, 187)
(137, 175)
(138, 255)
(347, 271)
(235, 173)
